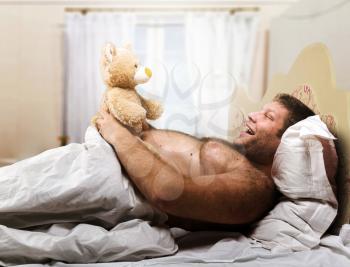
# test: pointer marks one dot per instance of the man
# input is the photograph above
(207, 180)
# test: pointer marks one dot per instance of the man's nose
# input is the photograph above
(252, 116)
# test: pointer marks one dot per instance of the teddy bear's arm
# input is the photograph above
(153, 108)
(127, 112)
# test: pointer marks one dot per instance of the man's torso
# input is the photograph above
(194, 158)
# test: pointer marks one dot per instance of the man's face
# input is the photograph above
(260, 139)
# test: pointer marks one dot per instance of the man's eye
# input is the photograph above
(269, 117)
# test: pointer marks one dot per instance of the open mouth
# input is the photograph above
(249, 130)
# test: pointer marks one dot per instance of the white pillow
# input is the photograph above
(308, 206)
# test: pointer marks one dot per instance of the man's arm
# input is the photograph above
(239, 196)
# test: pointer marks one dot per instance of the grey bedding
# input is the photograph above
(74, 204)
(219, 249)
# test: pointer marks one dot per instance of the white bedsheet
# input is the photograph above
(233, 249)
(73, 204)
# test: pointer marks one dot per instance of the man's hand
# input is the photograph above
(108, 126)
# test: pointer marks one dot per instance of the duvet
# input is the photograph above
(74, 204)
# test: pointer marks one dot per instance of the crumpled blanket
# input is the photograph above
(74, 204)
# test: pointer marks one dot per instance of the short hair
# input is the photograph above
(297, 110)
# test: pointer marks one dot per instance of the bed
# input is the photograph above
(312, 80)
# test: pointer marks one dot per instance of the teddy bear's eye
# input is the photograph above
(136, 66)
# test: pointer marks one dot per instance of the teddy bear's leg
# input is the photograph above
(128, 113)
(154, 108)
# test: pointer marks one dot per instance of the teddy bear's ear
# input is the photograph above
(128, 46)
(109, 51)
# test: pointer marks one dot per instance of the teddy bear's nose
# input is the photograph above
(148, 72)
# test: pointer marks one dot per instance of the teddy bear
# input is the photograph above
(121, 72)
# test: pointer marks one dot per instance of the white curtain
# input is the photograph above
(198, 60)
(164, 48)
(220, 46)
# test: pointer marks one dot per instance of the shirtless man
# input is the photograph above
(208, 180)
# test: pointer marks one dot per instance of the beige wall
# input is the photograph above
(310, 21)
(31, 67)
(31, 79)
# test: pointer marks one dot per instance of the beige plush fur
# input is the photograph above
(121, 72)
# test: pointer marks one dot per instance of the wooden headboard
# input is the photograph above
(312, 80)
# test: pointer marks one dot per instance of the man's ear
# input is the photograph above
(109, 51)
